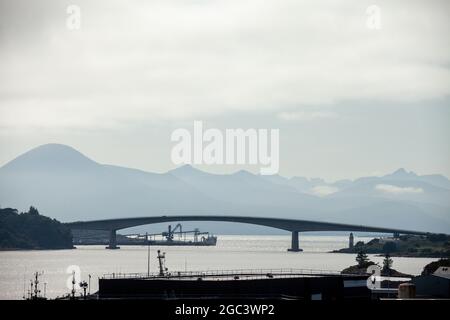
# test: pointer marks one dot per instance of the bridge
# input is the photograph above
(292, 225)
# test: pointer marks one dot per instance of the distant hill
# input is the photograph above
(30, 230)
(430, 246)
(69, 186)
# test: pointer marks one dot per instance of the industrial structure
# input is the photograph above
(172, 237)
(435, 285)
(292, 284)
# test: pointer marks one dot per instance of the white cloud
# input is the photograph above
(397, 190)
(324, 190)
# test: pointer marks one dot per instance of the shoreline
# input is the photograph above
(35, 249)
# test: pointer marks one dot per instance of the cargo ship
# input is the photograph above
(172, 237)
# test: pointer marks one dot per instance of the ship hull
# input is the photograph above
(334, 287)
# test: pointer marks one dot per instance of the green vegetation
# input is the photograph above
(431, 246)
(30, 230)
(387, 263)
(362, 259)
(364, 262)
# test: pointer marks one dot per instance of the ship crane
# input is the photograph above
(169, 237)
(170, 233)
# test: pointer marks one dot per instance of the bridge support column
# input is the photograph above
(294, 242)
(112, 240)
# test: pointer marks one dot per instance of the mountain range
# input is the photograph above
(65, 184)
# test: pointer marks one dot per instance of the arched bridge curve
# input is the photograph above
(293, 225)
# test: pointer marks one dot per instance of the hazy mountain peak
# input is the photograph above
(297, 178)
(52, 176)
(50, 156)
(402, 173)
(317, 180)
(186, 170)
(243, 173)
(54, 147)
(276, 178)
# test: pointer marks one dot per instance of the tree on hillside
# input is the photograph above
(362, 259)
(389, 247)
(387, 262)
(437, 237)
(30, 230)
(33, 210)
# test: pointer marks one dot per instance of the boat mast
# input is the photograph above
(161, 258)
(148, 254)
(73, 285)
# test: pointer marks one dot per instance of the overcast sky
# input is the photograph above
(348, 100)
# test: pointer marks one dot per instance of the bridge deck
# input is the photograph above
(294, 226)
(279, 223)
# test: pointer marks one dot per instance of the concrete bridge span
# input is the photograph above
(293, 225)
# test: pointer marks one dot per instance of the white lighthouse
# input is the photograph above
(350, 240)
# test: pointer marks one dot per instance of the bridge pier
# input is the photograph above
(294, 243)
(112, 240)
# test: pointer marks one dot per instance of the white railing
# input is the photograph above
(225, 274)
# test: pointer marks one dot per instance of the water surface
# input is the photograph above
(231, 252)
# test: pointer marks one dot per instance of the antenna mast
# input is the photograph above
(161, 259)
(148, 254)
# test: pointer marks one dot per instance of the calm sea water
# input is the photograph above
(231, 252)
